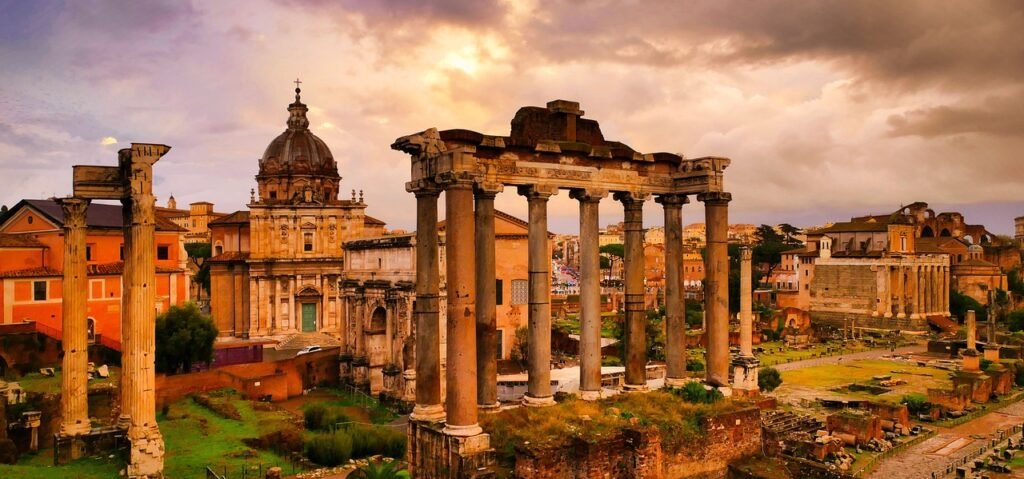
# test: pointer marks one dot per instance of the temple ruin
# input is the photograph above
(131, 182)
(549, 149)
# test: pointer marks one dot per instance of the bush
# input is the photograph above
(1018, 374)
(695, 392)
(611, 361)
(379, 470)
(984, 364)
(281, 441)
(184, 336)
(329, 449)
(1015, 320)
(768, 379)
(223, 409)
(695, 365)
(317, 417)
(916, 403)
(370, 441)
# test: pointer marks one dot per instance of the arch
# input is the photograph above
(218, 249)
(379, 319)
(945, 233)
(969, 239)
(90, 329)
(986, 239)
(927, 232)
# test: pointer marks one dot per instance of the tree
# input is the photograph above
(789, 233)
(198, 253)
(768, 379)
(768, 248)
(1015, 282)
(1015, 321)
(960, 303)
(184, 336)
(521, 345)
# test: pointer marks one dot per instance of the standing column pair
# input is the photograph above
(716, 285)
(590, 292)
(636, 320)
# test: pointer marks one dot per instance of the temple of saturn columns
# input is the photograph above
(549, 149)
(131, 182)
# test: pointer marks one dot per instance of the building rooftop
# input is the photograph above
(99, 215)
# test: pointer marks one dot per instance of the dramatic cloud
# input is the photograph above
(827, 108)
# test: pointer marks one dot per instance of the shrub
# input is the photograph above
(985, 363)
(611, 361)
(370, 441)
(695, 365)
(282, 441)
(379, 470)
(768, 379)
(916, 403)
(317, 417)
(329, 449)
(223, 409)
(1015, 320)
(695, 392)
(184, 336)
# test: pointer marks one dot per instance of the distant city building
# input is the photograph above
(196, 219)
(1019, 230)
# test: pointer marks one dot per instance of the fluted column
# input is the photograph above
(716, 285)
(930, 295)
(590, 293)
(675, 311)
(426, 308)
(922, 285)
(138, 342)
(486, 317)
(538, 389)
(887, 296)
(74, 400)
(746, 304)
(944, 279)
(912, 297)
(460, 266)
(636, 320)
(880, 289)
(901, 291)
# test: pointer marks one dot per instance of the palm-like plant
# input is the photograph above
(380, 470)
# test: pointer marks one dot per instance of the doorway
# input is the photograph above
(308, 317)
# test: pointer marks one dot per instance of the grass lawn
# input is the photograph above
(35, 382)
(835, 375)
(40, 466)
(775, 353)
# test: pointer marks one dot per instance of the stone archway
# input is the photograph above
(945, 233)
(379, 319)
(927, 232)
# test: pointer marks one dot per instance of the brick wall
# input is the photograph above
(639, 454)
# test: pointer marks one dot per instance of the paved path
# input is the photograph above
(949, 445)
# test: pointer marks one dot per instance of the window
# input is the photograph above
(39, 290)
(520, 291)
(88, 252)
(218, 250)
(120, 253)
(307, 241)
(273, 195)
(498, 293)
(163, 252)
(30, 219)
(501, 343)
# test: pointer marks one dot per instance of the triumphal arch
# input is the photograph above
(548, 150)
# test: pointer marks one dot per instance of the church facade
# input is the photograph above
(276, 269)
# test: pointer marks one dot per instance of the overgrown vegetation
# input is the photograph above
(768, 379)
(695, 392)
(219, 406)
(318, 417)
(916, 403)
(184, 336)
(355, 442)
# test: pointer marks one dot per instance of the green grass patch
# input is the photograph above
(40, 466)
(36, 382)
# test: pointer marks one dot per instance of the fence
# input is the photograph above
(244, 471)
(872, 463)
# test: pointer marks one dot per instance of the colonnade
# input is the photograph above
(471, 375)
(913, 291)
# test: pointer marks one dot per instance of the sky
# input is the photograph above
(828, 109)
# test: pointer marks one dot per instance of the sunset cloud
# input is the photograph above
(827, 108)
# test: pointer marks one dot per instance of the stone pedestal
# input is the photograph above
(409, 391)
(744, 376)
(979, 383)
(433, 454)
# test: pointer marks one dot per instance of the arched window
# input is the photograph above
(218, 249)
(927, 232)
(945, 233)
(91, 330)
(379, 319)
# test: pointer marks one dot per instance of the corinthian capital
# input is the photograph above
(74, 211)
(715, 198)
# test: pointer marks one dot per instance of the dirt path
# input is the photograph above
(872, 354)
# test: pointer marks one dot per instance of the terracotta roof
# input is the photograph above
(942, 245)
(855, 227)
(367, 219)
(230, 256)
(99, 215)
(976, 262)
(800, 250)
(9, 240)
(241, 216)
(105, 269)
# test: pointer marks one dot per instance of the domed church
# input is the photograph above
(276, 268)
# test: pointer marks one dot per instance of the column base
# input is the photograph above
(887, 315)
(434, 454)
(915, 316)
(589, 395)
(901, 316)
(77, 429)
(874, 314)
(428, 413)
(530, 401)
(489, 408)
(725, 390)
(146, 458)
(635, 388)
(462, 431)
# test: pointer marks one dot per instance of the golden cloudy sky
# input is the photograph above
(827, 108)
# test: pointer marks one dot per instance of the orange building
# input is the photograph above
(32, 260)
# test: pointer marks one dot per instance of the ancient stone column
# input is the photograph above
(922, 285)
(746, 304)
(138, 342)
(880, 281)
(460, 266)
(944, 295)
(636, 315)
(745, 365)
(887, 293)
(972, 360)
(716, 285)
(590, 293)
(538, 389)
(675, 311)
(74, 401)
(912, 296)
(901, 292)
(426, 308)
(486, 317)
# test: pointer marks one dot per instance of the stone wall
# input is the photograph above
(639, 453)
(863, 427)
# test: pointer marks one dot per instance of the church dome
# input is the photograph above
(297, 166)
